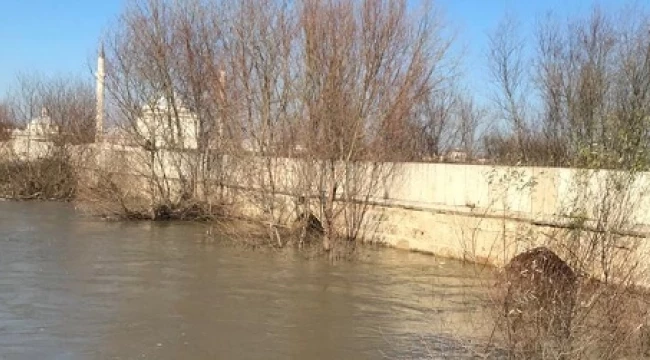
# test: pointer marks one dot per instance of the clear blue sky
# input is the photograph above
(474, 19)
(61, 36)
(51, 36)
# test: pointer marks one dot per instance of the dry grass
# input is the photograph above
(544, 310)
(114, 197)
(43, 179)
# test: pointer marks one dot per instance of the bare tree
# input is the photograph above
(469, 117)
(260, 57)
(24, 96)
(552, 84)
(54, 114)
(435, 123)
(591, 45)
(283, 98)
(593, 76)
(70, 103)
(7, 121)
(166, 83)
(507, 69)
(367, 65)
(67, 100)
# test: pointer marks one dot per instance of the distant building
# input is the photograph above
(456, 156)
(35, 141)
(164, 126)
(41, 127)
(161, 125)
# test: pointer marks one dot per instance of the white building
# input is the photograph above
(35, 141)
(456, 155)
(159, 124)
(41, 127)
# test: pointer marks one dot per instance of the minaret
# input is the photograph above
(100, 77)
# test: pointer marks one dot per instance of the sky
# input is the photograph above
(473, 20)
(61, 36)
(51, 36)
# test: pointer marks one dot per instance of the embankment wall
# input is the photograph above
(479, 212)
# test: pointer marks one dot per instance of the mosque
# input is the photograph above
(35, 141)
(151, 127)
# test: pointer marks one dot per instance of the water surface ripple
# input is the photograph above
(78, 288)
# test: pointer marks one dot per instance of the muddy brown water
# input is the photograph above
(73, 287)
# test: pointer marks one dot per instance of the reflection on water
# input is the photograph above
(79, 288)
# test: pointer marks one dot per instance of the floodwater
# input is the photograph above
(73, 287)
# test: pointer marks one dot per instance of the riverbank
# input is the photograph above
(43, 179)
(481, 233)
(435, 329)
(476, 213)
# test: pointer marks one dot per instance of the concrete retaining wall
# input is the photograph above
(474, 212)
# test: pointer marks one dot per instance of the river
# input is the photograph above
(73, 287)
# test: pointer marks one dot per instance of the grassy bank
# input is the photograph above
(43, 179)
